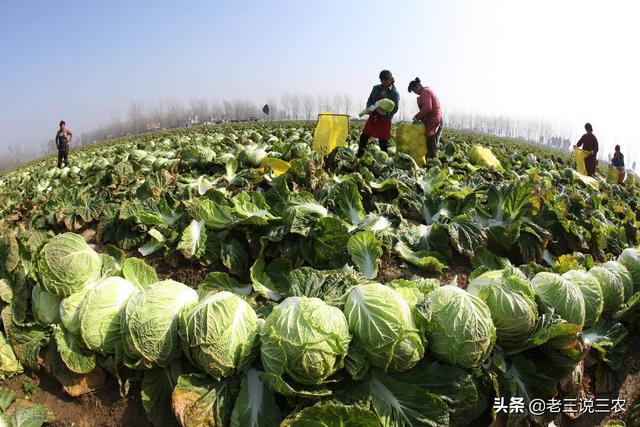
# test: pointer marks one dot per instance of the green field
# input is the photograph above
(205, 286)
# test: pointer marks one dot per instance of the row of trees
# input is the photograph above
(539, 132)
(289, 106)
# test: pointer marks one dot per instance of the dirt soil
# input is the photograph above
(102, 408)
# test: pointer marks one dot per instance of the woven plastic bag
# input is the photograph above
(580, 155)
(331, 131)
(411, 140)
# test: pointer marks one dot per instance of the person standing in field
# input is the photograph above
(589, 143)
(63, 143)
(378, 124)
(429, 113)
(617, 161)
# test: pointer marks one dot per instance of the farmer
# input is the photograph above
(429, 113)
(618, 162)
(589, 143)
(63, 142)
(378, 124)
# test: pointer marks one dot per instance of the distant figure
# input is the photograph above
(589, 143)
(63, 143)
(378, 124)
(633, 166)
(617, 161)
(429, 113)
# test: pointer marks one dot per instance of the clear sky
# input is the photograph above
(566, 61)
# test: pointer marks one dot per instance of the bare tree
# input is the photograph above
(295, 106)
(347, 103)
(320, 103)
(337, 103)
(136, 117)
(286, 104)
(175, 113)
(216, 111)
(199, 109)
(158, 115)
(307, 105)
(273, 108)
(228, 109)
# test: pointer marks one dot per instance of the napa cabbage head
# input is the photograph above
(511, 301)
(612, 288)
(70, 309)
(383, 325)
(592, 293)
(149, 323)
(630, 258)
(100, 313)
(220, 334)
(562, 294)
(461, 331)
(625, 276)
(45, 306)
(304, 339)
(66, 263)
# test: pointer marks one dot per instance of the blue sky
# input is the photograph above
(568, 61)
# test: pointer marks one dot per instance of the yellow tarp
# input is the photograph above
(411, 140)
(483, 156)
(580, 155)
(331, 131)
(279, 166)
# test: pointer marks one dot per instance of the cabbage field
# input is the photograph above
(230, 276)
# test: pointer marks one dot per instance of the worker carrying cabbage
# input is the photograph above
(589, 143)
(617, 161)
(380, 112)
(429, 113)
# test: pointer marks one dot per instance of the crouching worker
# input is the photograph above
(378, 124)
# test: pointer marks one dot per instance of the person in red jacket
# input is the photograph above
(429, 113)
(589, 142)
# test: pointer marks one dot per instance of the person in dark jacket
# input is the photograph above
(617, 161)
(589, 142)
(63, 143)
(378, 124)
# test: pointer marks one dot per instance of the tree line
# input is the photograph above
(172, 113)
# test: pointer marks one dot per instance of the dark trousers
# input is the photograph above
(63, 156)
(433, 142)
(364, 140)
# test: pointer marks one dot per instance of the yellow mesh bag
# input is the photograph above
(411, 140)
(331, 131)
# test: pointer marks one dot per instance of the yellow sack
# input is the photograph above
(483, 156)
(411, 140)
(580, 156)
(279, 166)
(613, 174)
(331, 131)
